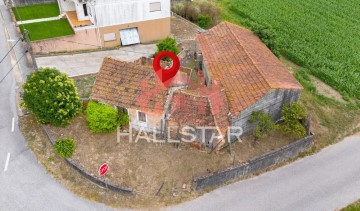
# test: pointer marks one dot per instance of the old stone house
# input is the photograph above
(237, 76)
(252, 76)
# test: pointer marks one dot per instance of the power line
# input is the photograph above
(12, 67)
(10, 50)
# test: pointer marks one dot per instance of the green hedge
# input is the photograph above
(103, 118)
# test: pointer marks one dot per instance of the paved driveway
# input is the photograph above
(83, 63)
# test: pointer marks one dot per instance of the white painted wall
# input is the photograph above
(66, 5)
(115, 12)
(80, 11)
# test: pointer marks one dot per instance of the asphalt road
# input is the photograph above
(24, 184)
(328, 180)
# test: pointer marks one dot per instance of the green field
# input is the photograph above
(321, 35)
(48, 29)
(36, 11)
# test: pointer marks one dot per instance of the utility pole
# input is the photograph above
(29, 49)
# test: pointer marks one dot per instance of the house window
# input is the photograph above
(109, 37)
(85, 10)
(155, 6)
(141, 116)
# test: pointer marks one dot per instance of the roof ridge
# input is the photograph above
(257, 68)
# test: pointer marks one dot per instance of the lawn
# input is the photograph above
(319, 35)
(36, 11)
(48, 29)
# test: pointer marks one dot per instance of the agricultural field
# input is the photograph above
(322, 36)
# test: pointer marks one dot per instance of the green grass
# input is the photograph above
(319, 35)
(48, 29)
(36, 11)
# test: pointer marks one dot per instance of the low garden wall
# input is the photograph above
(255, 165)
(90, 176)
(82, 40)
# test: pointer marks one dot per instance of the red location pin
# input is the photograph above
(166, 75)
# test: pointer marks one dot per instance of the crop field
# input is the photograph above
(322, 35)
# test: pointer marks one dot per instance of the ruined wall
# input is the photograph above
(270, 104)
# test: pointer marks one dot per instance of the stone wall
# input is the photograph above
(270, 104)
(81, 40)
(255, 165)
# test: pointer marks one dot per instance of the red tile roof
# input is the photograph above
(201, 107)
(243, 65)
(131, 85)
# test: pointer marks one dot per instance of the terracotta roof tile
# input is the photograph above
(244, 66)
(131, 85)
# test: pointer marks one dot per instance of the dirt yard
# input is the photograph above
(145, 166)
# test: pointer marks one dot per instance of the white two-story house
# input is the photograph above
(119, 22)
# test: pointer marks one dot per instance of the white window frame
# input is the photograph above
(138, 119)
(157, 10)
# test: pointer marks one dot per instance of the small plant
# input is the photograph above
(51, 96)
(264, 126)
(167, 44)
(103, 118)
(204, 21)
(65, 147)
(292, 114)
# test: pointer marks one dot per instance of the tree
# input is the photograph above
(51, 96)
(291, 113)
(103, 118)
(167, 44)
(264, 124)
(204, 21)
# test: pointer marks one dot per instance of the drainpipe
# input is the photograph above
(97, 28)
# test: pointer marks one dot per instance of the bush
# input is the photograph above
(264, 126)
(204, 21)
(292, 114)
(167, 44)
(193, 11)
(102, 118)
(51, 96)
(65, 147)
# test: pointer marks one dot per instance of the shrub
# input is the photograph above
(167, 44)
(291, 114)
(264, 126)
(204, 21)
(193, 11)
(51, 96)
(65, 147)
(102, 118)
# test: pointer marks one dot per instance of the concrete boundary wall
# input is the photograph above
(88, 175)
(255, 165)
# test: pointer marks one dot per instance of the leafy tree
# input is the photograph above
(264, 126)
(103, 118)
(204, 21)
(291, 113)
(167, 44)
(65, 147)
(51, 96)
